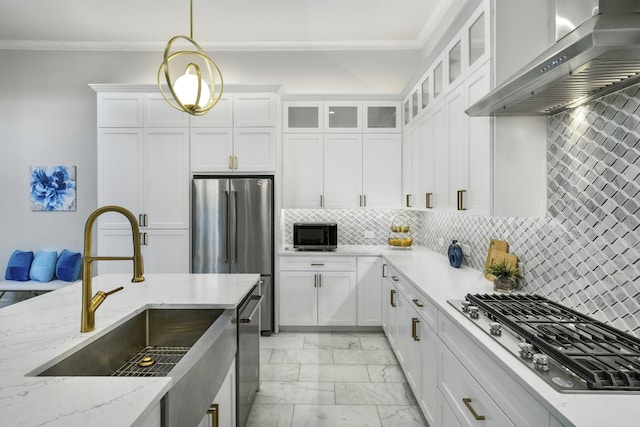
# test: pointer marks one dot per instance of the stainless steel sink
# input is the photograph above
(201, 344)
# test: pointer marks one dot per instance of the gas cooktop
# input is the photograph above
(569, 350)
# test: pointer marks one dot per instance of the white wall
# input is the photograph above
(48, 116)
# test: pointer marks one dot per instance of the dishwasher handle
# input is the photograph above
(250, 306)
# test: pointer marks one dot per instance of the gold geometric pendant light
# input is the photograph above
(194, 92)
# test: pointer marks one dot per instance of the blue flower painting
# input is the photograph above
(53, 188)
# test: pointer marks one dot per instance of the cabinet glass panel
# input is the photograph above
(414, 104)
(406, 112)
(381, 117)
(476, 39)
(343, 117)
(455, 55)
(437, 80)
(303, 117)
(425, 93)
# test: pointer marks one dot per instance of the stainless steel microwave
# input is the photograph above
(315, 236)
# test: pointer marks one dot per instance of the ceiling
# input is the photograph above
(132, 25)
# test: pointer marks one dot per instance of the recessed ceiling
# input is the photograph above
(221, 24)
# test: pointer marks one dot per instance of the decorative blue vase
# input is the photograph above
(455, 254)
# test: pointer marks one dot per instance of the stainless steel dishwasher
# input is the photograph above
(248, 366)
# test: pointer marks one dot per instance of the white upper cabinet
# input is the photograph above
(343, 116)
(343, 171)
(211, 149)
(478, 35)
(221, 115)
(120, 109)
(158, 113)
(254, 149)
(255, 109)
(381, 117)
(303, 116)
(302, 170)
(381, 180)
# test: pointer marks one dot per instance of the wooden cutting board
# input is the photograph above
(498, 257)
(495, 245)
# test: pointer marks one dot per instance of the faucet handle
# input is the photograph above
(100, 296)
(113, 291)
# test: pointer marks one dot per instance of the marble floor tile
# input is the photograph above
(301, 356)
(278, 392)
(386, 374)
(270, 415)
(401, 416)
(282, 341)
(333, 372)
(365, 357)
(332, 342)
(373, 394)
(265, 355)
(375, 343)
(335, 416)
(280, 372)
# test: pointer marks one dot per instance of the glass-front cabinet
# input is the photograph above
(381, 116)
(455, 62)
(343, 116)
(426, 92)
(303, 116)
(437, 80)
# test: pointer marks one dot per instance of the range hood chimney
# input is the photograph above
(598, 56)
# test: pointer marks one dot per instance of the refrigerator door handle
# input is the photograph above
(235, 227)
(226, 231)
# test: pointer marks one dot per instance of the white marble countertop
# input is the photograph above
(431, 273)
(39, 329)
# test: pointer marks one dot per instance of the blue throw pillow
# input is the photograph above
(19, 266)
(68, 265)
(43, 266)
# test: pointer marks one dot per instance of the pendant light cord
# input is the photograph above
(191, 19)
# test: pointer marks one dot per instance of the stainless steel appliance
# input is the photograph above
(572, 352)
(315, 236)
(600, 56)
(248, 354)
(232, 231)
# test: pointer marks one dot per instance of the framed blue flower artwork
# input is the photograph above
(53, 188)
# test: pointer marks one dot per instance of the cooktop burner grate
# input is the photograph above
(606, 358)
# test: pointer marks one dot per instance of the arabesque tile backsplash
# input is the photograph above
(586, 252)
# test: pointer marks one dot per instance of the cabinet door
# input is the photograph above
(254, 149)
(342, 171)
(302, 164)
(225, 401)
(120, 110)
(254, 109)
(166, 251)
(440, 198)
(478, 200)
(381, 117)
(120, 173)
(220, 116)
(457, 139)
(166, 178)
(337, 298)
(381, 170)
(427, 145)
(303, 116)
(211, 150)
(369, 291)
(159, 113)
(298, 298)
(343, 116)
(429, 348)
(411, 168)
(407, 342)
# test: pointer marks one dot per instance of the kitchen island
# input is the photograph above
(40, 329)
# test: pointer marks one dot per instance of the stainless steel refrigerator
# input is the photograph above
(232, 231)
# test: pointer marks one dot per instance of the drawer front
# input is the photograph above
(514, 401)
(425, 308)
(308, 263)
(468, 401)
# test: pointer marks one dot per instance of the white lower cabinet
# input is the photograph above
(317, 291)
(429, 350)
(222, 412)
(369, 291)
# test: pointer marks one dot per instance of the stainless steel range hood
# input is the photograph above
(600, 56)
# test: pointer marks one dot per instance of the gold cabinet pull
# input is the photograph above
(427, 200)
(322, 201)
(467, 403)
(365, 200)
(319, 280)
(141, 220)
(384, 270)
(315, 280)
(414, 328)
(417, 302)
(461, 200)
(317, 264)
(230, 162)
(391, 298)
(408, 201)
(361, 200)
(235, 162)
(395, 278)
(213, 411)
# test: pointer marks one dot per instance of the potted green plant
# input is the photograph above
(505, 276)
